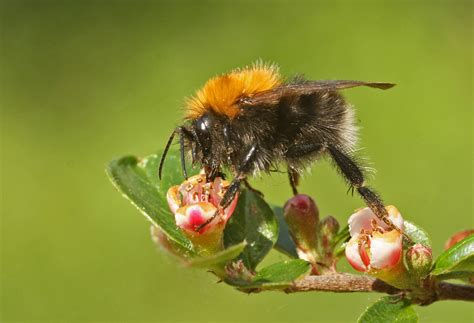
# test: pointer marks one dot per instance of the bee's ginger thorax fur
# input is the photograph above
(222, 93)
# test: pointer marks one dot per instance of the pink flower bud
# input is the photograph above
(195, 204)
(458, 236)
(373, 245)
(418, 260)
(329, 228)
(302, 217)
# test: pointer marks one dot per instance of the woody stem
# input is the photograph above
(349, 283)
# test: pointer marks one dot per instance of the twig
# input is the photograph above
(349, 283)
(448, 291)
(342, 283)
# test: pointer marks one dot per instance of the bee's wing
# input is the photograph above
(308, 87)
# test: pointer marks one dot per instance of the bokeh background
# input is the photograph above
(83, 82)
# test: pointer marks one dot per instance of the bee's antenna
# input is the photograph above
(165, 152)
(181, 148)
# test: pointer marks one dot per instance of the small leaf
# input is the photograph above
(284, 272)
(462, 275)
(254, 222)
(276, 276)
(284, 243)
(220, 257)
(417, 234)
(458, 258)
(340, 250)
(388, 309)
(342, 236)
(138, 181)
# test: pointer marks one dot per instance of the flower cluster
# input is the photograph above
(374, 246)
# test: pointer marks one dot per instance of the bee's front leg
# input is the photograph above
(229, 195)
(243, 169)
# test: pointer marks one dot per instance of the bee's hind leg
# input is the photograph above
(294, 178)
(354, 175)
(297, 152)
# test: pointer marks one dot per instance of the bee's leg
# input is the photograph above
(243, 170)
(294, 178)
(296, 152)
(225, 202)
(234, 186)
(355, 177)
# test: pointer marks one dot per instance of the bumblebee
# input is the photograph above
(250, 121)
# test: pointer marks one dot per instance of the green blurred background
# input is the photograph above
(83, 82)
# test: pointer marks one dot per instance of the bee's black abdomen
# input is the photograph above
(308, 124)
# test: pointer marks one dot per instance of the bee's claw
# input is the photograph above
(202, 225)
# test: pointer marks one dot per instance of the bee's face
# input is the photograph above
(211, 140)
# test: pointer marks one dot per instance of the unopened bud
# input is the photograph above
(458, 236)
(329, 228)
(302, 217)
(237, 272)
(418, 260)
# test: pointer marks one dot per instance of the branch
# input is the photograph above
(342, 283)
(349, 283)
(448, 291)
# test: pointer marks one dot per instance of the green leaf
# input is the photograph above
(282, 273)
(340, 250)
(254, 222)
(457, 274)
(276, 276)
(342, 236)
(284, 242)
(220, 257)
(458, 258)
(417, 234)
(388, 309)
(137, 179)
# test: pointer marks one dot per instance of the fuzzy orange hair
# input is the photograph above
(221, 93)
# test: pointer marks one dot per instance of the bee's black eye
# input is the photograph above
(202, 128)
(204, 123)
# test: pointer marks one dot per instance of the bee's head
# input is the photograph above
(210, 140)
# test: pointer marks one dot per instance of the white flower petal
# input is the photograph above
(172, 196)
(385, 249)
(362, 219)
(353, 255)
(395, 216)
